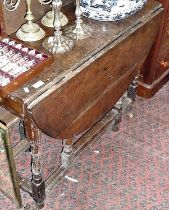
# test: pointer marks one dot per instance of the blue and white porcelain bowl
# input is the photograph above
(110, 10)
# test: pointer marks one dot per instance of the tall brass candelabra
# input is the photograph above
(79, 30)
(58, 43)
(48, 19)
(29, 31)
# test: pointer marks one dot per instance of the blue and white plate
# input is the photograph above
(110, 10)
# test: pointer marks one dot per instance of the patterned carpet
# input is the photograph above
(127, 170)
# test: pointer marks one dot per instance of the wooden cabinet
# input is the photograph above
(155, 71)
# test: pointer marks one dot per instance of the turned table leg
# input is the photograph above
(67, 153)
(117, 109)
(131, 94)
(37, 182)
(22, 130)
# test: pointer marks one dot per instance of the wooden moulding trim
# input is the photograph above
(155, 83)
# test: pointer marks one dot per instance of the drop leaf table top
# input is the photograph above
(82, 85)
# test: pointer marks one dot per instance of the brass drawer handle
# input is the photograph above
(164, 63)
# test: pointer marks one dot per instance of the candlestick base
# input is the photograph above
(48, 19)
(53, 46)
(82, 32)
(30, 32)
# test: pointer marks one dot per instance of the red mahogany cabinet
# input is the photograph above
(155, 71)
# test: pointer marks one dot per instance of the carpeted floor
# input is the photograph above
(127, 170)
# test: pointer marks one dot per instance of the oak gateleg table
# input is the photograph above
(73, 94)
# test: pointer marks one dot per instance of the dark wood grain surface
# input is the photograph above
(106, 35)
(82, 85)
(88, 94)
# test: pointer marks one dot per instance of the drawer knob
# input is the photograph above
(164, 63)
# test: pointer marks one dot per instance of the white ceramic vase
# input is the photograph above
(110, 10)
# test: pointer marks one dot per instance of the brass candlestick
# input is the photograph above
(29, 31)
(58, 43)
(48, 19)
(79, 30)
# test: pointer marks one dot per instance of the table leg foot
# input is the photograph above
(67, 153)
(38, 184)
